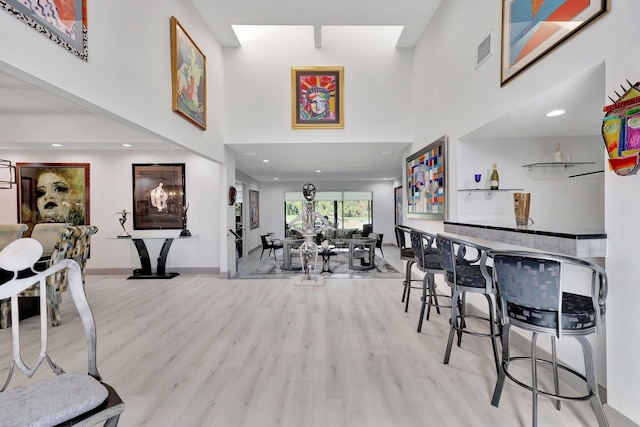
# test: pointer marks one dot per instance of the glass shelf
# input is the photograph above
(565, 165)
(488, 190)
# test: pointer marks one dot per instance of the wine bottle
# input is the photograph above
(495, 179)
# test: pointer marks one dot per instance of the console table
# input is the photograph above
(145, 271)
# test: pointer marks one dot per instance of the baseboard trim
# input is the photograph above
(127, 271)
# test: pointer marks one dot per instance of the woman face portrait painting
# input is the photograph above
(60, 196)
(55, 194)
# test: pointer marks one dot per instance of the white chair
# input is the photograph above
(66, 398)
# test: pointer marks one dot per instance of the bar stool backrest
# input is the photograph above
(534, 281)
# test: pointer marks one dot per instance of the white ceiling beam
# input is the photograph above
(317, 35)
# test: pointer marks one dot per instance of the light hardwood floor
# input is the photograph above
(200, 351)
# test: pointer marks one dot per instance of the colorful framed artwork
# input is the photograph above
(533, 28)
(397, 197)
(64, 22)
(188, 76)
(53, 192)
(317, 97)
(158, 196)
(254, 209)
(426, 182)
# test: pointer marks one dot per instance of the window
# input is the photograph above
(343, 209)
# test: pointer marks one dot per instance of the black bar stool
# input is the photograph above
(428, 261)
(468, 276)
(530, 286)
(406, 254)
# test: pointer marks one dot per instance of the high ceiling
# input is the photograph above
(77, 127)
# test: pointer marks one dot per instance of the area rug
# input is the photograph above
(271, 269)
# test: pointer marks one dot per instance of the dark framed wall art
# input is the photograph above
(158, 196)
(53, 192)
(532, 29)
(254, 209)
(317, 97)
(397, 203)
(63, 22)
(188, 77)
(427, 180)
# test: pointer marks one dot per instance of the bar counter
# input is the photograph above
(563, 240)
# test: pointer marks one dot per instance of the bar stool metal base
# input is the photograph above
(590, 379)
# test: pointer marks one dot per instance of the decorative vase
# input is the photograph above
(521, 203)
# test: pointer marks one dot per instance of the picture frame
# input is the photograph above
(531, 30)
(188, 77)
(426, 181)
(53, 192)
(65, 23)
(317, 100)
(254, 209)
(158, 196)
(397, 204)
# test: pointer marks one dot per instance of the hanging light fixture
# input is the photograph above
(7, 175)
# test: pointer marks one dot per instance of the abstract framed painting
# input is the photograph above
(53, 192)
(397, 199)
(426, 182)
(317, 97)
(188, 77)
(158, 196)
(533, 28)
(63, 22)
(254, 209)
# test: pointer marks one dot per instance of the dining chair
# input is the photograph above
(467, 273)
(271, 245)
(532, 298)
(74, 398)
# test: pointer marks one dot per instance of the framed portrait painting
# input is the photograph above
(64, 22)
(53, 192)
(427, 180)
(254, 209)
(317, 97)
(532, 29)
(158, 196)
(188, 76)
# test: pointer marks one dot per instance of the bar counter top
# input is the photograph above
(564, 240)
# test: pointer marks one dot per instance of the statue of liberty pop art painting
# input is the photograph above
(316, 97)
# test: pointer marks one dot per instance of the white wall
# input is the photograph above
(447, 87)
(111, 191)
(127, 76)
(258, 92)
(556, 200)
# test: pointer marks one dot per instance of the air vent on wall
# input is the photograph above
(483, 50)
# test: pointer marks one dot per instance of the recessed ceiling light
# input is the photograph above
(265, 161)
(555, 113)
(275, 179)
(56, 145)
(318, 171)
(126, 145)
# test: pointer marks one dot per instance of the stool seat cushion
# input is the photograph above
(51, 401)
(577, 313)
(407, 253)
(469, 276)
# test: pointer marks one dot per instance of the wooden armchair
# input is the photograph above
(65, 398)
